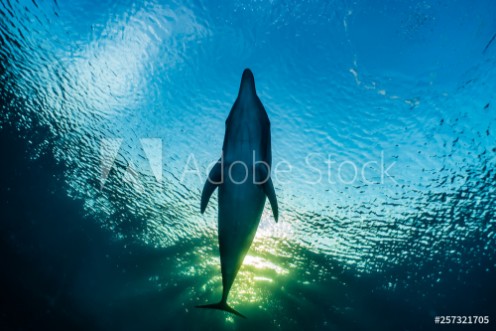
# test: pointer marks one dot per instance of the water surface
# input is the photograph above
(383, 125)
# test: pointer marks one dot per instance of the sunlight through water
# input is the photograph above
(383, 123)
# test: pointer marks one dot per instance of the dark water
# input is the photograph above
(112, 111)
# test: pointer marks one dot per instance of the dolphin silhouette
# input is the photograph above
(243, 177)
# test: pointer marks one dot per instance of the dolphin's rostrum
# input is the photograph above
(242, 176)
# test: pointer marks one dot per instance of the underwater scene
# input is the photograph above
(375, 119)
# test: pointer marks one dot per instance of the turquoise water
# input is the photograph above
(382, 117)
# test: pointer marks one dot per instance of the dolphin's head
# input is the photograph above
(247, 85)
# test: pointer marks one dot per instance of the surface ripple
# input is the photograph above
(147, 86)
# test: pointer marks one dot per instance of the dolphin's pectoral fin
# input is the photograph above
(268, 188)
(214, 179)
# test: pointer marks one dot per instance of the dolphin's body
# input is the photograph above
(243, 178)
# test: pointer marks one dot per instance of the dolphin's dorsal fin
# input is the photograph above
(263, 177)
(214, 179)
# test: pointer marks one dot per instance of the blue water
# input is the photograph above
(383, 124)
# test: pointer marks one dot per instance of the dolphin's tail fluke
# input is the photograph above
(222, 306)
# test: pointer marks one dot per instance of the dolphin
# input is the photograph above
(242, 176)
